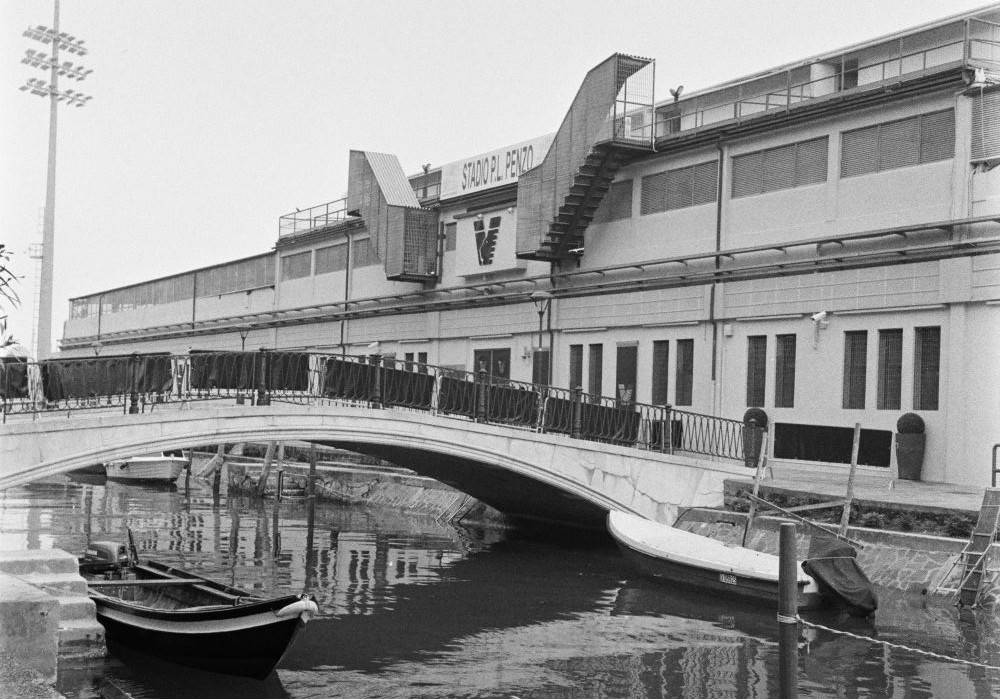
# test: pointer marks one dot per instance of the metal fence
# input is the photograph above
(140, 383)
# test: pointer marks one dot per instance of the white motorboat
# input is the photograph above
(164, 467)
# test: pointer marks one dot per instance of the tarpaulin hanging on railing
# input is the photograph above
(287, 371)
(406, 388)
(349, 379)
(105, 376)
(317, 374)
(223, 370)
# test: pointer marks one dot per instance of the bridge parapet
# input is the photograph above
(138, 384)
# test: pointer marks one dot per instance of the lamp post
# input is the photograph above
(542, 301)
(243, 330)
(39, 87)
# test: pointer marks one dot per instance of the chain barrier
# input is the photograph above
(898, 646)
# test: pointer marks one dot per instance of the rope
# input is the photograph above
(897, 646)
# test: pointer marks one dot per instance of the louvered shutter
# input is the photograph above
(679, 188)
(705, 183)
(986, 126)
(937, 136)
(779, 168)
(747, 174)
(654, 194)
(859, 152)
(899, 143)
(810, 161)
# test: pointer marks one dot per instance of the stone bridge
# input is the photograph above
(524, 473)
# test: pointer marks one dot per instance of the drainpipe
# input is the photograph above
(712, 294)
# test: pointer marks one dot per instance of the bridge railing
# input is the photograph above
(140, 383)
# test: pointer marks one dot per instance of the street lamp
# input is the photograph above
(50, 89)
(243, 330)
(542, 301)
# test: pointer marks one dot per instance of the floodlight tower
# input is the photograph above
(37, 86)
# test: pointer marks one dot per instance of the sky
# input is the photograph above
(210, 119)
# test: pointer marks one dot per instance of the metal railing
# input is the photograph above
(980, 44)
(318, 216)
(140, 383)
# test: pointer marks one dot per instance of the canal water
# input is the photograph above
(411, 607)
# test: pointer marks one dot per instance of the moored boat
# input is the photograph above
(185, 618)
(677, 556)
(151, 468)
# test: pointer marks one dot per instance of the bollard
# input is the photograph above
(788, 619)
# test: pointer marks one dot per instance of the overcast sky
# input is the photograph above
(212, 118)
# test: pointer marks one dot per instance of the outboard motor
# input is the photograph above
(102, 556)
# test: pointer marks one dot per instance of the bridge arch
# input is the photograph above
(521, 472)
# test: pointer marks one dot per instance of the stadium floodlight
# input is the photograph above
(60, 41)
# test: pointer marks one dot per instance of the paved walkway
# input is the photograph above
(896, 494)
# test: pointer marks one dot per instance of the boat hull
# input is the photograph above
(703, 580)
(678, 557)
(243, 642)
(146, 469)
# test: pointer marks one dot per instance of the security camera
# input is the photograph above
(817, 317)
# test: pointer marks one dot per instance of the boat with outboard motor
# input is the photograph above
(188, 619)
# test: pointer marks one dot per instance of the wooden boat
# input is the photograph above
(674, 555)
(188, 619)
(151, 468)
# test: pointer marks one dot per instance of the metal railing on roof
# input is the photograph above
(980, 44)
(137, 384)
(319, 216)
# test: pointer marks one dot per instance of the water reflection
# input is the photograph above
(413, 607)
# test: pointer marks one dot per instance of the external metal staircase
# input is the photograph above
(609, 124)
(974, 556)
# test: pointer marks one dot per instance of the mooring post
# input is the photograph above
(788, 619)
(312, 470)
(845, 516)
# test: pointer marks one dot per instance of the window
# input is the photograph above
(625, 373)
(296, 266)
(617, 203)
(415, 361)
(784, 371)
(236, 276)
(495, 362)
(855, 368)
(926, 368)
(890, 369)
(595, 375)
(756, 370)
(921, 139)
(684, 379)
(661, 372)
(450, 232)
(331, 259)
(795, 165)
(576, 366)
(362, 254)
(680, 188)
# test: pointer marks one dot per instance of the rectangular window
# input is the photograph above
(855, 368)
(625, 373)
(450, 233)
(784, 371)
(925, 138)
(595, 374)
(296, 266)
(794, 165)
(926, 368)
(661, 372)
(617, 203)
(890, 369)
(756, 370)
(576, 366)
(680, 188)
(331, 259)
(362, 254)
(684, 378)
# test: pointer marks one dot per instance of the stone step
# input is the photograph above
(57, 583)
(37, 561)
(81, 638)
(73, 607)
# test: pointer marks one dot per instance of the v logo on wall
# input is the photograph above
(486, 239)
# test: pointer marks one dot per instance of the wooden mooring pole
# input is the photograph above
(788, 619)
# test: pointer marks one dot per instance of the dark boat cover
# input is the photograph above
(834, 566)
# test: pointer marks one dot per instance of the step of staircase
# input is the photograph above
(57, 584)
(37, 561)
(81, 638)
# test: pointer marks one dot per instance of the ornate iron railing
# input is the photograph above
(140, 383)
